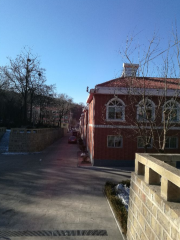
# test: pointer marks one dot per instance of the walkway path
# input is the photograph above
(47, 191)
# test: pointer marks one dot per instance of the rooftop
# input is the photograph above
(142, 82)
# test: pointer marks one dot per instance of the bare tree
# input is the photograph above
(44, 99)
(152, 104)
(4, 84)
(23, 75)
(152, 111)
(63, 105)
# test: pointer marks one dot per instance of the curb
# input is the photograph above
(119, 227)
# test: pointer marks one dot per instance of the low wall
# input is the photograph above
(154, 204)
(33, 140)
(2, 131)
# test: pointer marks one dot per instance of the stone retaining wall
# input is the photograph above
(2, 131)
(154, 204)
(33, 140)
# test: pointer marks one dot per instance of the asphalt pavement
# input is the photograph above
(47, 196)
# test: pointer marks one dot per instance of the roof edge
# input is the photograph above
(90, 97)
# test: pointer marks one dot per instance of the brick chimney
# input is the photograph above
(129, 69)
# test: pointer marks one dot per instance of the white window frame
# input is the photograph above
(151, 144)
(122, 106)
(169, 143)
(152, 108)
(115, 136)
(170, 108)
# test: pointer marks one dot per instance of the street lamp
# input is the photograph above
(25, 97)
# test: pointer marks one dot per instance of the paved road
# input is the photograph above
(55, 194)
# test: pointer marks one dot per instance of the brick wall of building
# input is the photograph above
(90, 131)
(99, 128)
(129, 146)
(85, 126)
(154, 210)
(90, 141)
(90, 115)
(102, 151)
(33, 140)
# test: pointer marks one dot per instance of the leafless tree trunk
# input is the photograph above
(23, 76)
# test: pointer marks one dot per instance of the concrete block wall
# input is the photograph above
(154, 204)
(33, 140)
(2, 131)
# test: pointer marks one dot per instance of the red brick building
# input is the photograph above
(115, 113)
(84, 125)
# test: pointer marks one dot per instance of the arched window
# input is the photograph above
(146, 110)
(171, 111)
(115, 110)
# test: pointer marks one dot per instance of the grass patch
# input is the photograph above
(117, 205)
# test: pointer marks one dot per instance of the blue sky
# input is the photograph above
(78, 41)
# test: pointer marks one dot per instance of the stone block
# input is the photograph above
(154, 211)
(157, 228)
(143, 236)
(132, 232)
(143, 197)
(175, 217)
(141, 221)
(137, 202)
(166, 236)
(149, 232)
(137, 236)
(158, 200)
(130, 216)
(131, 193)
(146, 214)
(144, 210)
(174, 233)
(169, 191)
(138, 181)
(145, 188)
(129, 234)
(163, 221)
(133, 177)
(149, 204)
(135, 188)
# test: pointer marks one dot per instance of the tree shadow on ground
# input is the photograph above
(52, 193)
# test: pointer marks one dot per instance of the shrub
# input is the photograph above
(126, 182)
(117, 205)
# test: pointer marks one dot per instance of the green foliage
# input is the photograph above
(10, 109)
(116, 204)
